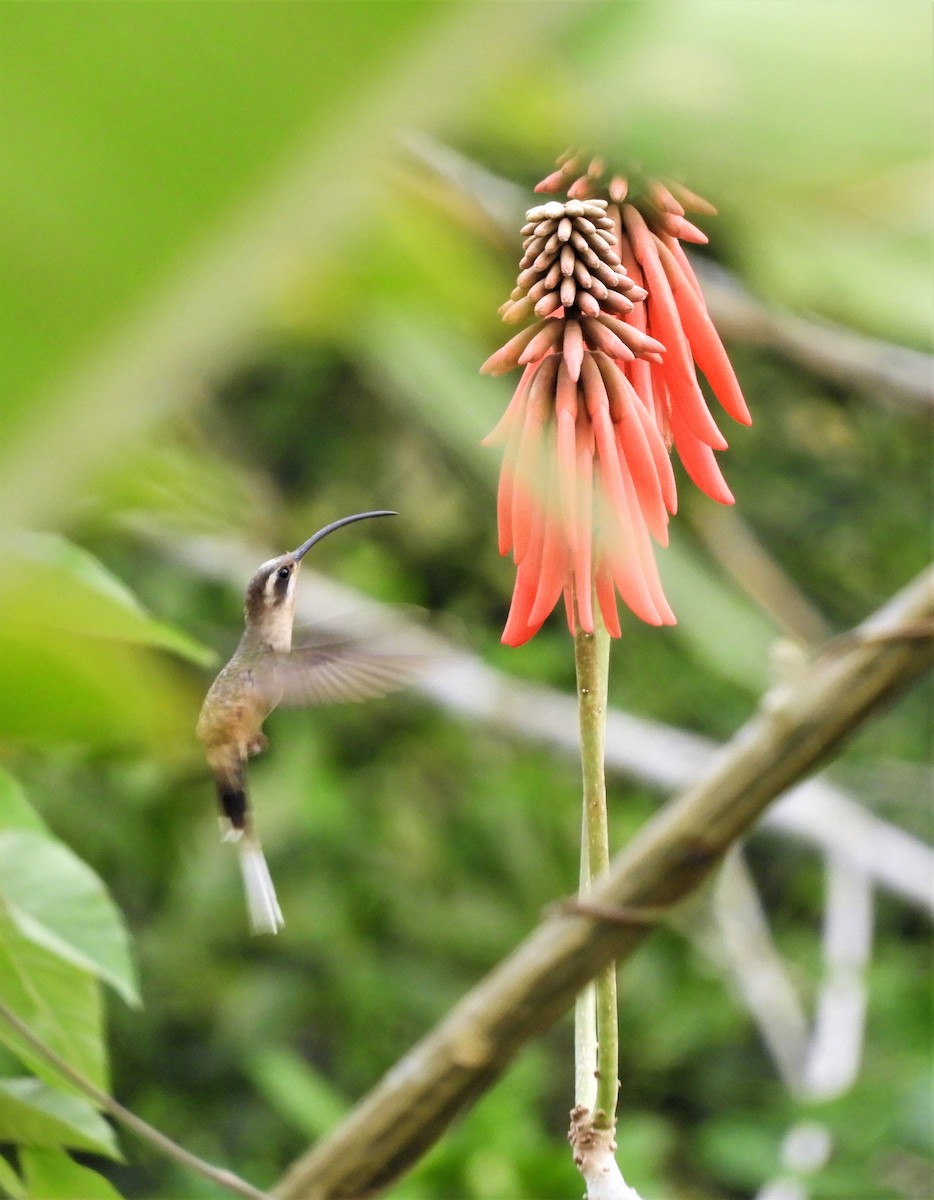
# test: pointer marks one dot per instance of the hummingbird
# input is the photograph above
(266, 671)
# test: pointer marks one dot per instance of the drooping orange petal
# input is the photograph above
(583, 557)
(704, 341)
(688, 232)
(685, 396)
(691, 201)
(699, 462)
(606, 597)
(573, 348)
(608, 454)
(553, 573)
(566, 450)
(639, 372)
(618, 551)
(621, 552)
(528, 475)
(645, 554)
(551, 183)
(636, 339)
(641, 471)
(659, 452)
(518, 628)
(569, 608)
(683, 389)
(507, 475)
(524, 502)
(600, 337)
(517, 631)
(544, 340)
(566, 406)
(617, 546)
(504, 498)
(506, 357)
(678, 251)
(664, 199)
(634, 447)
(515, 411)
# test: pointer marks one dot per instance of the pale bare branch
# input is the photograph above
(837, 1041)
(749, 955)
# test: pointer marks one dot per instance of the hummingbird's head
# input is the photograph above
(269, 606)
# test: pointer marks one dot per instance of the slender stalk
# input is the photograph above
(592, 658)
(142, 1129)
(585, 1016)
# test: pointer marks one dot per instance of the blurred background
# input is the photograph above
(252, 259)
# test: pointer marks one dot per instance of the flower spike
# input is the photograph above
(609, 386)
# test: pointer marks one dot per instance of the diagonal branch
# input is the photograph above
(796, 728)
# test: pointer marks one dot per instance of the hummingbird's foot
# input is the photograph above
(257, 744)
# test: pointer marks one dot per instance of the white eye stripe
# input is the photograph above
(279, 589)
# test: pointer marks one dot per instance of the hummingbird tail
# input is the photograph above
(265, 914)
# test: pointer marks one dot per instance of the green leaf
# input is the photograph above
(53, 1175)
(10, 1183)
(79, 596)
(58, 902)
(59, 1002)
(35, 1114)
(328, 85)
(15, 810)
(60, 689)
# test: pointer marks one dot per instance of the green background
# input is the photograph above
(245, 289)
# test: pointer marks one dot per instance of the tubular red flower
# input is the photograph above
(583, 484)
(608, 386)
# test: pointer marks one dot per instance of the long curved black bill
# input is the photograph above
(322, 533)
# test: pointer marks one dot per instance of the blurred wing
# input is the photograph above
(374, 627)
(341, 672)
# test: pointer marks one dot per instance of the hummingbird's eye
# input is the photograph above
(284, 572)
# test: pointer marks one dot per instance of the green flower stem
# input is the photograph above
(596, 1022)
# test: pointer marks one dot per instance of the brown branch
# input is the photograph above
(795, 729)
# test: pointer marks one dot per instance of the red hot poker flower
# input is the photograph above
(651, 226)
(609, 384)
(586, 479)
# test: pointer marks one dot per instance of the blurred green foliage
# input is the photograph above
(237, 302)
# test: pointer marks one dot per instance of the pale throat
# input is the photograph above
(270, 628)
(276, 628)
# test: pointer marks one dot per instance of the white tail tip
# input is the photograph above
(265, 914)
